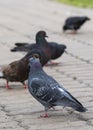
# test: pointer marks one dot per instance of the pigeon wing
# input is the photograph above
(44, 92)
(21, 44)
(75, 22)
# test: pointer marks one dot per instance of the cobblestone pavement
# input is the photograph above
(19, 22)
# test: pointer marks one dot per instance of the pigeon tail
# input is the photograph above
(14, 49)
(75, 104)
(21, 44)
(71, 101)
(64, 46)
(78, 107)
(19, 48)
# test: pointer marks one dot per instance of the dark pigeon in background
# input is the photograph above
(47, 90)
(52, 50)
(18, 70)
(74, 23)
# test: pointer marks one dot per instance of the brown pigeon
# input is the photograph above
(18, 70)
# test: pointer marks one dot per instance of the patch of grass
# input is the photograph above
(78, 3)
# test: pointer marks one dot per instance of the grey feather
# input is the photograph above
(47, 90)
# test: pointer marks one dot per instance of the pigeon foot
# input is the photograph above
(44, 115)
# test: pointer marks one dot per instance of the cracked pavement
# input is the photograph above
(19, 22)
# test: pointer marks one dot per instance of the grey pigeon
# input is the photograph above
(75, 22)
(48, 91)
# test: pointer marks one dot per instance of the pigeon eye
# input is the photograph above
(43, 33)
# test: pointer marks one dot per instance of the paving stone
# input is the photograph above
(20, 20)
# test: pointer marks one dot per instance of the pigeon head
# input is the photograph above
(34, 64)
(65, 28)
(40, 37)
(41, 34)
(87, 18)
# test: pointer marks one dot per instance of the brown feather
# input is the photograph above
(18, 70)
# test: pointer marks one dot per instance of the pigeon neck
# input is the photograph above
(40, 40)
(35, 68)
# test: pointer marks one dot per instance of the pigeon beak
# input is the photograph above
(46, 36)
